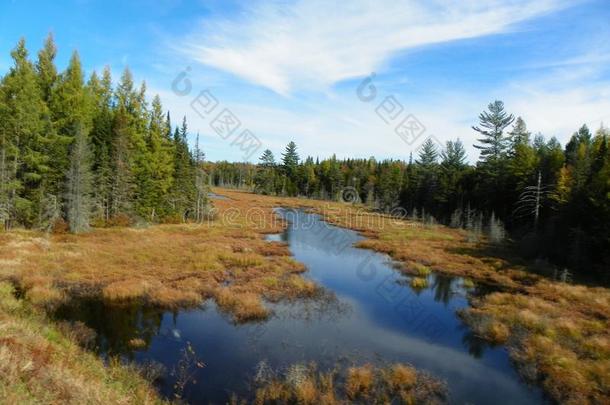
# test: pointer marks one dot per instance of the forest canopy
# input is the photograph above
(76, 152)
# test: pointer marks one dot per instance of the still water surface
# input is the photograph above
(369, 313)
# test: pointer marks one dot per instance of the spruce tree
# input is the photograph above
(23, 155)
(101, 139)
(265, 176)
(184, 192)
(70, 106)
(290, 159)
(158, 166)
(46, 69)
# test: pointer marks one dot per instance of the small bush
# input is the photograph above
(419, 283)
(120, 220)
(359, 381)
(60, 227)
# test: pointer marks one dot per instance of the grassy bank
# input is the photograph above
(40, 364)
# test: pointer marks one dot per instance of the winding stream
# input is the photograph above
(370, 314)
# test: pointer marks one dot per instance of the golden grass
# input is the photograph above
(561, 337)
(304, 384)
(419, 283)
(421, 270)
(173, 265)
(39, 364)
(359, 381)
(245, 306)
(468, 283)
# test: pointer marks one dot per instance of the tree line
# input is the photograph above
(75, 153)
(553, 200)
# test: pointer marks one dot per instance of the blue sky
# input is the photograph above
(289, 70)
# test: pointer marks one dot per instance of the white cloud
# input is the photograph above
(555, 103)
(288, 45)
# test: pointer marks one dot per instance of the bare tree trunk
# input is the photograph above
(79, 184)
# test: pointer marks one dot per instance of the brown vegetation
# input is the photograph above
(166, 265)
(557, 334)
(304, 384)
(39, 364)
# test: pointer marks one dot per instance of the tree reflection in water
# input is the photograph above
(116, 325)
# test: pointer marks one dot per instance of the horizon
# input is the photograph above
(547, 60)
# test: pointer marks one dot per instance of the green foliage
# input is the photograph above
(24, 159)
(493, 144)
(58, 135)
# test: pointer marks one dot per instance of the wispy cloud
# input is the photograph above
(293, 45)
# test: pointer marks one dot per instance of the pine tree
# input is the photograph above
(290, 162)
(158, 167)
(454, 155)
(45, 68)
(522, 158)
(101, 137)
(427, 170)
(23, 157)
(264, 180)
(267, 159)
(428, 155)
(492, 124)
(70, 106)
(519, 134)
(452, 169)
(290, 159)
(184, 190)
(123, 183)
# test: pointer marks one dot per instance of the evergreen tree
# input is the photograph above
(45, 68)
(264, 180)
(122, 187)
(428, 155)
(70, 106)
(290, 161)
(519, 135)
(184, 191)
(454, 155)
(492, 124)
(101, 136)
(23, 157)
(158, 169)
(267, 159)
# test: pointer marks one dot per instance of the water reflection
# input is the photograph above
(116, 325)
(369, 313)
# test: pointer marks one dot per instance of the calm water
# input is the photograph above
(369, 314)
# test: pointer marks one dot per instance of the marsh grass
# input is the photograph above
(171, 266)
(305, 384)
(419, 283)
(558, 337)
